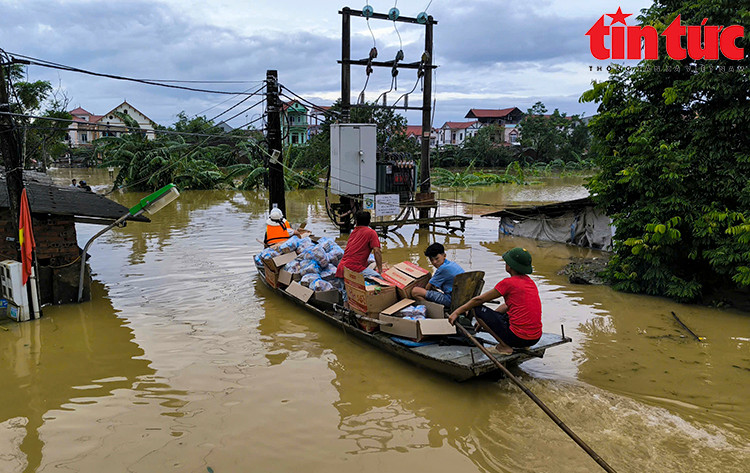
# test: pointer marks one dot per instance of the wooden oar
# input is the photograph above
(538, 402)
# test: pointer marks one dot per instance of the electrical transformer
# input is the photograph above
(397, 176)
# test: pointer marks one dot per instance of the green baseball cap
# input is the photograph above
(519, 259)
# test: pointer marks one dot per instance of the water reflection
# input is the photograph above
(387, 406)
(68, 359)
(240, 379)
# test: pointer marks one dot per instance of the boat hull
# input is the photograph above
(455, 361)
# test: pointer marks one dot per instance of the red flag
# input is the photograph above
(25, 236)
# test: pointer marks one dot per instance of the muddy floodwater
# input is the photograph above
(184, 361)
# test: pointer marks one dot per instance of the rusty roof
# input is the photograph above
(487, 113)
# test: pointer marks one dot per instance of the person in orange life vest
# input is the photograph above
(278, 229)
(518, 321)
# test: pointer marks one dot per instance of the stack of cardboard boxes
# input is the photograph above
(374, 298)
(279, 278)
(382, 299)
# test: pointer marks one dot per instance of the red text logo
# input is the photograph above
(642, 42)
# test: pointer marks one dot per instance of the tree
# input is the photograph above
(150, 164)
(672, 146)
(41, 139)
(484, 151)
(554, 136)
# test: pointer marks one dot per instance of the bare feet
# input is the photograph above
(503, 350)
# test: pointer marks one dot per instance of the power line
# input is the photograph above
(62, 67)
(297, 97)
(207, 81)
(103, 127)
(227, 100)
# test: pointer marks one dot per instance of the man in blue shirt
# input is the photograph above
(440, 287)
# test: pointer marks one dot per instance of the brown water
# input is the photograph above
(183, 361)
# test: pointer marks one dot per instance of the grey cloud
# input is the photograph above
(489, 32)
(147, 40)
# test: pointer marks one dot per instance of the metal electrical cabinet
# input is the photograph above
(353, 159)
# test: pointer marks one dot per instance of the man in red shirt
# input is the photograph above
(362, 241)
(518, 321)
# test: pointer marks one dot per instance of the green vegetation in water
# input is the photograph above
(206, 162)
(671, 144)
(515, 173)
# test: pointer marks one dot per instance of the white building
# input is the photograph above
(455, 133)
(87, 127)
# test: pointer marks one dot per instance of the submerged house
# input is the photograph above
(54, 213)
(576, 222)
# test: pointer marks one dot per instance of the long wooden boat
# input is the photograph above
(456, 361)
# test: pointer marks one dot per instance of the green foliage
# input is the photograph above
(45, 141)
(470, 177)
(672, 148)
(553, 136)
(298, 176)
(150, 164)
(484, 148)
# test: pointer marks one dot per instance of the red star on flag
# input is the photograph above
(618, 16)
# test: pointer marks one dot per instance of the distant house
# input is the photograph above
(225, 127)
(414, 132)
(512, 135)
(504, 116)
(87, 127)
(455, 133)
(294, 124)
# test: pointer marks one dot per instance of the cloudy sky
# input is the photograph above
(490, 53)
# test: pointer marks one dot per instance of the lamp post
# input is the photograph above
(149, 205)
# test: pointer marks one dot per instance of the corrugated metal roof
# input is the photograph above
(50, 199)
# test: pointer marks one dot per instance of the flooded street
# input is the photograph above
(183, 361)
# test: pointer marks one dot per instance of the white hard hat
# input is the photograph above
(276, 214)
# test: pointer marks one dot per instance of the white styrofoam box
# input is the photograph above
(11, 282)
(353, 158)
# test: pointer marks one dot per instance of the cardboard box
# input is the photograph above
(331, 297)
(300, 292)
(434, 324)
(368, 299)
(275, 264)
(273, 267)
(285, 278)
(406, 276)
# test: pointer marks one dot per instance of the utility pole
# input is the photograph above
(346, 68)
(273, 136)
(10, 149)
(424, 163)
